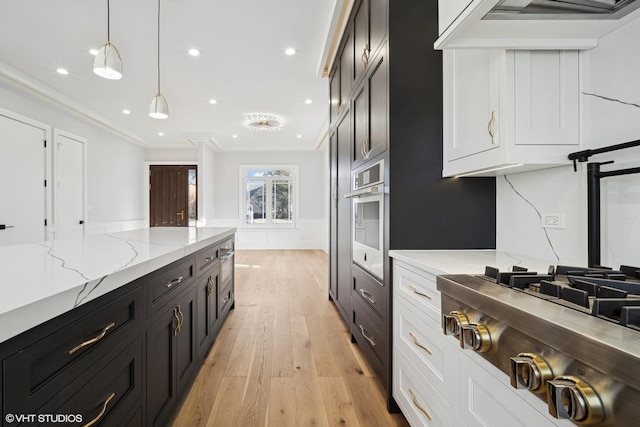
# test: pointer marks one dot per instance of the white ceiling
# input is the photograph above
(242, 65)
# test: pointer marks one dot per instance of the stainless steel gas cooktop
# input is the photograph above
(570, 335)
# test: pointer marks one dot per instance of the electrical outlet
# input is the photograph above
(552, 220)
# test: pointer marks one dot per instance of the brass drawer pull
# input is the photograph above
(365, 56)
(174, 282)
(367, 296)
(93, 340)
(417, 405)
(419, 344)
(490, 128)
(415, 291)
(101, 414)
(363, 332)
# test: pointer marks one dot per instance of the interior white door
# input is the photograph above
(69, 194)
(23, 170)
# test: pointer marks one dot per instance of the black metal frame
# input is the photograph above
(593, 193)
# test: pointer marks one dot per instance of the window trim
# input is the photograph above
(294, 170)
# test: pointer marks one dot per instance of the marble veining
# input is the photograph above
(537, 213)
(45, 279)
(611, 99)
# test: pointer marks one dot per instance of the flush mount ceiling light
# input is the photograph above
(159, 109)
(107, 63)
(260, 122)
(290, 51)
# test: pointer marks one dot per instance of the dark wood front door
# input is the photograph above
(169, 196)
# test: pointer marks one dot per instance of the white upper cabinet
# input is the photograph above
(486, 23)
(509, 111)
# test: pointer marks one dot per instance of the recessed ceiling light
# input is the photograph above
(126, 111)
(62, 71)
(93, 52)
(213, 101)
(299, 136)
(160, 133)
(308, 101)
(194, 52)
(290, 51)
(234, 136)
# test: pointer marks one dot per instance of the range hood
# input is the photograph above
(561, 9)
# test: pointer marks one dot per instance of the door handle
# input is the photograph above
(4, 226)
(181, 214)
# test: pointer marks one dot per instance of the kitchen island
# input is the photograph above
(113, 327)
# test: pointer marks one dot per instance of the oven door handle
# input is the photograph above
(364, 192)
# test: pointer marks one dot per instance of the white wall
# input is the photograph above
(610, 115)
(113, 164)
(311, 230)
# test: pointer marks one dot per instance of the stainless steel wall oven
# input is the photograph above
(368, 218)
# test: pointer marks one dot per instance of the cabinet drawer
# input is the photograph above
(225, 299)
(428, 349)
(110, 395)
(419, 288)
(373, 342)
(416, 398)
(38, 372)
(373, 293)
(207, 258)
(161, 288)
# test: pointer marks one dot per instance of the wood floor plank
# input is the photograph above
(282, 403)
(255, 402)
(338, 402)
(226, 408)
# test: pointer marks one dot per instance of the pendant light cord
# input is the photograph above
(108, 22)
(158, 46)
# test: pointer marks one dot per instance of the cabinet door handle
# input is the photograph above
(181, 318)
(419, 344)
(207, 259)
(338, 107)
(209, 285)
(224, 301)
(365, 56)
(93, 340)
(175, 314)
(417, 404)
(101, 414)
(174, 282)
(490, 128)
(365, 149)
(363, 331)
(415, 291)
(367, 296)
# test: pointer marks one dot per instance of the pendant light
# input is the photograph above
(107, 63)
(159, 109)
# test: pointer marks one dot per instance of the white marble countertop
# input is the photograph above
(45, 279)
(467, 261)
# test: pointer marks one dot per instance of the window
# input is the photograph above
(268, 194)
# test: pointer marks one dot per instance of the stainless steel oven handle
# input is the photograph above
(364, 192)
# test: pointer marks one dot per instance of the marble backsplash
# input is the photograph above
(610, 104)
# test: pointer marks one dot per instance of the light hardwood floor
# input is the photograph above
(284, 355)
